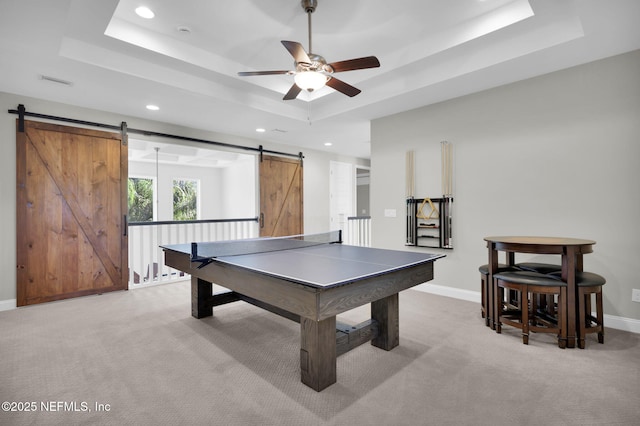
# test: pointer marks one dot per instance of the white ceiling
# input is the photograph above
(430, 51)
(193, 155)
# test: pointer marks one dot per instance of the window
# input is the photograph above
(185, 199)
(140, 199)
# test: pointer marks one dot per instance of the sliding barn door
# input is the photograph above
(281, 209)
(71, 207)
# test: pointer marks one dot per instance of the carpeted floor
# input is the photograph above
(139, 358)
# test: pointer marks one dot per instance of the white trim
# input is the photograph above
(456, 293)
(611, 321)
(7, 305)
(621, 323)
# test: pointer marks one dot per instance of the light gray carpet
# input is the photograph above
(142, 353)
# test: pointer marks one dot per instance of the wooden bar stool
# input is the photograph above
(589, 284)
(486, 290)
(545, 302)
(525, 317)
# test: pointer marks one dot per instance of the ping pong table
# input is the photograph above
(309, 279)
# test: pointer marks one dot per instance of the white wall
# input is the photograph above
(556, 155)
(316, 172)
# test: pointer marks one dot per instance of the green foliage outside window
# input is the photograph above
(140, 197)
(185, 197)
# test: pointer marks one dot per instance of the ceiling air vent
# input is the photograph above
(55, 80)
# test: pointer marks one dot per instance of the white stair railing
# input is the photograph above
(358, 232)
(146, 259)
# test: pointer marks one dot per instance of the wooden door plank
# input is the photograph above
(98, 214)
(88, 268)
(41, 195)
(68, 252)
(114, 209)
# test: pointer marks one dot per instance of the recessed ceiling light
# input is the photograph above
(328, 144)
(145, 12)
(153, 107)
(261, 130)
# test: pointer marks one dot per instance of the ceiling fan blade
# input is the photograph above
(355, 64)
(250, 73)
(343, 87)
(292, 93)
(297, 51)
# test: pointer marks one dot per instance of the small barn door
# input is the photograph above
(281, 210)
(71, 212)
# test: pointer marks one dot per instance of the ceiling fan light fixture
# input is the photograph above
(312, 71)
(310, 80)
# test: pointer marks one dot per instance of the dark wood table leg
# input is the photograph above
(386, 313)
(318, 352)
(510, 258)
(569, 276)
(201, 291)
(492, 298)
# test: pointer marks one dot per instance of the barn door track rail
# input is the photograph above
(22, 113)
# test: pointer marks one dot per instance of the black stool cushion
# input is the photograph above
(584, 279)
(529, 278)
(542, 268)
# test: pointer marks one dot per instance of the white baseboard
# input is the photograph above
(7, 305)
(619, 323)
(456, 293)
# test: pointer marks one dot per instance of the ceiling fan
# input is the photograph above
(312, 71)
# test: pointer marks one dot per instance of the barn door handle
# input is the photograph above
(261, 220)
(126, 226)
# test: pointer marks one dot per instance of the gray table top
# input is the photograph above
(325, 265)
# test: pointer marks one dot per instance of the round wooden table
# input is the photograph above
(571, 251)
